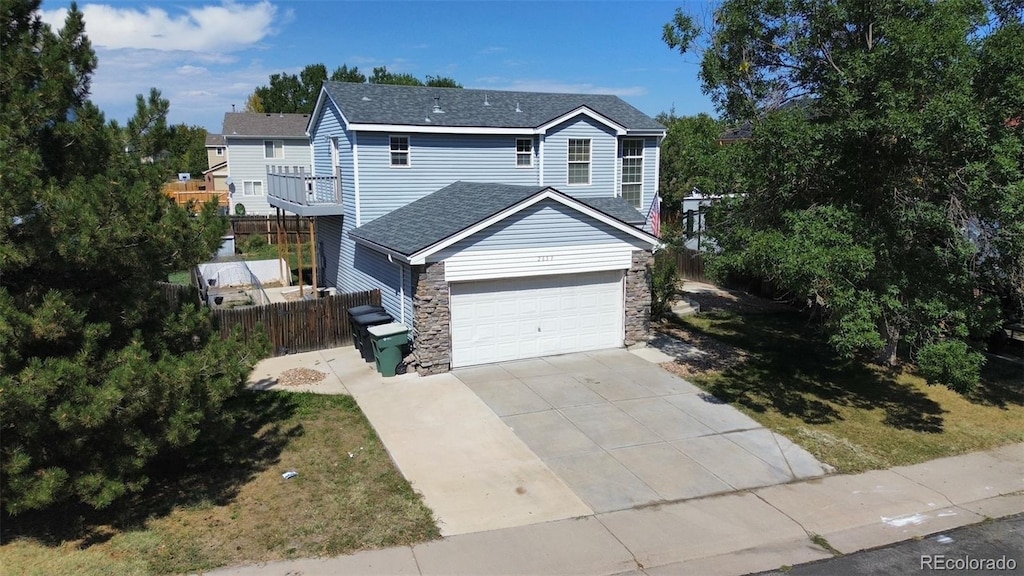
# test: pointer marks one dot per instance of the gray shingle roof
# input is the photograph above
(412, 105)
(214, 139)
(260, 124)
(458, 206)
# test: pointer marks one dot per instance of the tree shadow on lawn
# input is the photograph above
(1002, 384)
(212, 472)
(793, 371)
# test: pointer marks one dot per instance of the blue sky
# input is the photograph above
(205, 56)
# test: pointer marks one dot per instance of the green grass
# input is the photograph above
(229, 504)
(851, 415)
(181, 277)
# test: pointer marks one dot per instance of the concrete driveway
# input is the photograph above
(622, 432)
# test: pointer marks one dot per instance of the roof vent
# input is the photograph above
(486, 103)
(365, 98)
(437, 105)
(518, 109)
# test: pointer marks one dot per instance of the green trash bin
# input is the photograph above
(388, 341)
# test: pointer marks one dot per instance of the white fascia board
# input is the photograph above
(414, 129)
(619, 129)
(549, 193)
(321, 101)
(395, 256)
(647, 132)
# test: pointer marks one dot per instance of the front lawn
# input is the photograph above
(232, 506)
(854, 416)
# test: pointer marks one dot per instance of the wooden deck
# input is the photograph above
(194, 191)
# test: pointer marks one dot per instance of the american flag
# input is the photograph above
(654, 216)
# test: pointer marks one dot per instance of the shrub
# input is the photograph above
(952, 363)
(254, 243)
(663, 282)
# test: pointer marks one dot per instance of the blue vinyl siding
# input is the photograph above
(330, 126)
(370, 269)
(435, 161)
(246, 162)
(328, 234)
(545, 224)
(603, 157)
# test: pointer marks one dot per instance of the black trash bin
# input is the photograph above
(360, 334)
(359, 311)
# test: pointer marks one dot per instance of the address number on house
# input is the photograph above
(545, 258)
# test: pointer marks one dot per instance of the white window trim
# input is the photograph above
(531, 153)
(622, 169)
(263, 190)
(281, 157)
(590, 162)
(219, 151)
(408, 152)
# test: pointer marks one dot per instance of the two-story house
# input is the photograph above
(497, 225)
(216, 174)
(256, 143)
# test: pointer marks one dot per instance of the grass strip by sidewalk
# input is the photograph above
(235, 507)
(851, 415)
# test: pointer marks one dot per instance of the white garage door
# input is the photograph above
(513, 318)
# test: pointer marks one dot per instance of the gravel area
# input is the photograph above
(300, 376)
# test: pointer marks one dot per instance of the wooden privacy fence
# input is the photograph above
(266, 226)
(690, 265)
(300, 326)
(178, 294)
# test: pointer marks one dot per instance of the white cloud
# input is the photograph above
(543, 85)
(190, 70)
(225, 28)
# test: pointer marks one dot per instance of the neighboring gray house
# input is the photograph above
(497, 225)
(256, 142)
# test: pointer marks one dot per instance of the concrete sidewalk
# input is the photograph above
(737, 533)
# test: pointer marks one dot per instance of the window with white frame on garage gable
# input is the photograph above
(400, 151)
(524, 152)
(579, 161)
(633, 171)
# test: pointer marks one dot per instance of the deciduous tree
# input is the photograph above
(887, 194)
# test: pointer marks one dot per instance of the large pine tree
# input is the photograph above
(98, 373)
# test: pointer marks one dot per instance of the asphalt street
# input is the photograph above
(993, 547)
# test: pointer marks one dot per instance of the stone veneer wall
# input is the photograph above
(432, 343)
(638, 298)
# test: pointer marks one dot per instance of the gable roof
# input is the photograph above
(419, 228)
(214, 140)
(426, 106)
(255, 125)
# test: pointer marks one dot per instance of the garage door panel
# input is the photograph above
(497, 320)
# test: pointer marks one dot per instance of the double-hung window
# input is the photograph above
(220, 151)
(400, 151)
(579, 161)
(524, 152)
(252, 188)
(273, 148)
(633, 171)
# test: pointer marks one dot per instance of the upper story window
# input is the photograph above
(633, 171)
(273, 148)
(252, 188)
(400, 151)
(524, 152)
(579, 161)
(220, 151)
